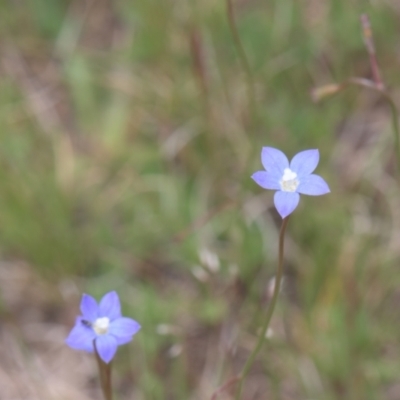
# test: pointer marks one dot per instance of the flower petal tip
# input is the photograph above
(286, 202)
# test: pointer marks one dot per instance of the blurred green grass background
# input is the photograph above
(127, 142)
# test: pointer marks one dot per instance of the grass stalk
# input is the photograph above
(270, 311)
(242, 56)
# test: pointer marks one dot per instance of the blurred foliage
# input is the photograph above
(127, 144)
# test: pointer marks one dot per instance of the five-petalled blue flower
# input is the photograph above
(290, 179)
(103, 325)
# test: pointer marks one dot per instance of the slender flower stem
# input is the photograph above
(242, 55)
(376, 84)
(105, 375)
(393, 110)
(379, 85)
(330, 89)
(370, 46)
(270, 311)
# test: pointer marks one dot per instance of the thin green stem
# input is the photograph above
(242, 55)
(270, 311)
(105, 375)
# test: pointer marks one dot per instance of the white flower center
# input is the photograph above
(100, 326)
(289, 181)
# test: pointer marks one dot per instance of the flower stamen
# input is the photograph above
(289, 181)
(101, 325)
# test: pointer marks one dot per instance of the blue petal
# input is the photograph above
(89, 307)
(110, 306)
(267, 180)
(106, 347)
(286, 202)
(123, 329)
(274, 161)
(313, 185)
(305, 162)
(81, 337)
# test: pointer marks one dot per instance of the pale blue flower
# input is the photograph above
(290, 179)
(102, 324)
